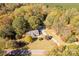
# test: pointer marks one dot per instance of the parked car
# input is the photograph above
(48, 37)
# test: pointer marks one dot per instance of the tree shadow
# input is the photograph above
(34, 39)
(19, 44)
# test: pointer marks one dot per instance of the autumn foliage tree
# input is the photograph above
(34, 22)
(7, 31)
(20, 25)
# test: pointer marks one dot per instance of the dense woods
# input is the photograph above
(17, 19)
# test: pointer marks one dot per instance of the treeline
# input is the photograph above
(8, 8)
(17, 19)
(24, 18)
(65, 22)
(70, 50)
(21, 18)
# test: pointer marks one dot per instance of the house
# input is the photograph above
(40, 33)
(33, 33)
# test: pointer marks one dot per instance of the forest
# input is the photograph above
(16, 20)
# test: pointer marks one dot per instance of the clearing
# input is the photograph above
(42, 46)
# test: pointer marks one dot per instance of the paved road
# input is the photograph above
(39, 52)
(33, 52)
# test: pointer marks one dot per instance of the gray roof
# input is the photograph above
(33, 33)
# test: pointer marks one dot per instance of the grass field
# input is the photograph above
(41, 45)
(41, 48)
(64, 5)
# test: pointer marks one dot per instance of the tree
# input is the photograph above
(75, 23)
(55, 20)
(6, 19)
(56, 51)
(71, 50)
(20, 25)
(65, 32)
(23, 10)
(7, 31)
(53, 17)
(6, 8)
(34, 22)
(11, 7)
(2, 43)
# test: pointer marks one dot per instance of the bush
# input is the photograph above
(72, 39)
(27, 39)
(13, 44)
(2, 52)
(40, 39)
(2, 43)
(10, 44)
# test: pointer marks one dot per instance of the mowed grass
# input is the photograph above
(41, 45)
(45, 45)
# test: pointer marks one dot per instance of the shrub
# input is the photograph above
(27, 39)
(72, 39)
(2, 43)
(2, 52)
(40, 39)
(13, 44)
(10, 44)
